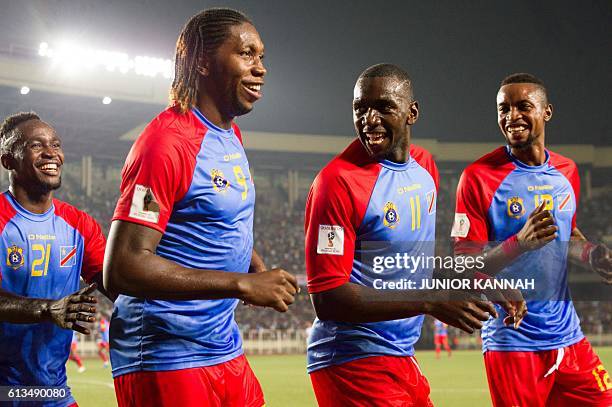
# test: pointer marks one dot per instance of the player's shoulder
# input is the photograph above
(172, 127)
(491, 162)
(421, 154)
(7, 211)
(560, 161)
(75, 217)
(350, 164)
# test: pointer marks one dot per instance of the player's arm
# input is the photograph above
(65, 312)
(132, 267)
(354, 303)
(538, 230)
(596, 257)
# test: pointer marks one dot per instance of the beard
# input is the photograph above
(522, 145)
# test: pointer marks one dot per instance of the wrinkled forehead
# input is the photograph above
(516, 92)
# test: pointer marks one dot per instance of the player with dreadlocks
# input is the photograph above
(180, 248)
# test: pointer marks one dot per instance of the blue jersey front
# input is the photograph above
(43, 255)
(190, 180)
(358, 214)
(496, 194)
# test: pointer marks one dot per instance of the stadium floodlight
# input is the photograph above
(24, 90)
(72, 57)
(106, 100)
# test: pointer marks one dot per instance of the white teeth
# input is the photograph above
(255, 88)
(518, 128)
(375, 138)
(49, 167)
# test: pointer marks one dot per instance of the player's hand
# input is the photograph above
(274, 288)
(73, 308)
(513, 304)
(466, 314)
(600, 260)
(539, 229)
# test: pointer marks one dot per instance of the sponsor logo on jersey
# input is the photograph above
(14, 257)
(331, 240)
(431, 201)
(461, 225)
(144, 204)
(68, 256)
(564, 202)
(516, 209)
(391, 218)
(220, 183)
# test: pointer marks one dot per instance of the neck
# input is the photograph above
(209, 108)
(33, 201)
(533, 155)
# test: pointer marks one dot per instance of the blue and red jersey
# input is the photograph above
(355, 207)
(495, 196)
(189, 180)
(44, 256)
(440, 328)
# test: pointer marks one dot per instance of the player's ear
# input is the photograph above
(413, 113)
(548, 112)
(203, 66)
(7, 161)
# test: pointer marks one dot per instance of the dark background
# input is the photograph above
(456, 52)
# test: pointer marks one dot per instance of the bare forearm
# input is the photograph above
(22, 310)
(358, 304)
(147, 275)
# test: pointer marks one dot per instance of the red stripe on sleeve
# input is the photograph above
(162, 162)
(94, 241)
(338, 199)
(6, 214)
(475, 191)
(568, 168)
(425, 160)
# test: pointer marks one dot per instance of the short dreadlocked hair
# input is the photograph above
(9, 132)
(389, 70)
(202, 35)
(523, 77)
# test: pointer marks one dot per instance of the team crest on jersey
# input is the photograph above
(516, 209)
(431, 201)
(391, 218)
(564, 202)
(68, 256)
(14, 257)
(220, 183)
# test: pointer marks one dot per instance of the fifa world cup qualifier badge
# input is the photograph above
(516, 209)
(391, 218)
(220, 183)
(14, 257)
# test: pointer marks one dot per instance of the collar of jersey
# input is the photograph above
(36, 217)
(225, 133)
(397, 166)
(523, 166)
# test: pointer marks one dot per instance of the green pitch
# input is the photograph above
(458, 381)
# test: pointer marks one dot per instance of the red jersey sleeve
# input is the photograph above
(330, 234)
(470, 227)
(569, 169)
(426, 160)
(94, 241)
(157, 173)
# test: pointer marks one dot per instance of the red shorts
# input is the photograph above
(232, 383)
(440, 339)
(571, 376)
(372, 382)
